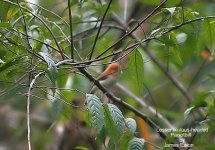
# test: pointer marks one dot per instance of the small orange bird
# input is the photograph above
(108, 77)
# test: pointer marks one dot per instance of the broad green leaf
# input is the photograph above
(209, 33)
(4, 7)
(56, 103)
(136, 144)
(135, 71)
(200, 100)
(124, 140)
(112, 129)
(111, 145)
(96, 111)
(117, 117)
(170, 41)
(12, 12)
(101, 136)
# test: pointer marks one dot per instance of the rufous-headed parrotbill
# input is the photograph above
(108, 77)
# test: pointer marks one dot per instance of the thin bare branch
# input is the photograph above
(97, 35)
(132, 30)
(172, 78)
(43, 22)
(28, 109)
(126, 105)
(71, 31)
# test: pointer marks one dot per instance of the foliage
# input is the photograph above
(120, 130)
(48, 59)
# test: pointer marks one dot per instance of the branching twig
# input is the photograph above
(43, 22)
(177, 84)
(28, 109)
(126, 105)
(132, 30)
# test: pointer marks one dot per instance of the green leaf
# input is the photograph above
(199, 100)
(50, 62)
(12, 12)
(209, 33)
(112, 129)
(187, 112)
(10, 63)
(5, 25)
(131, 124)
(4, 7)
(102, 135)
(135, 71)
(117, 117)
(96, 111)
(124, 140)
(57, 104)
(136, 144)
(51, 65)
(111, 145)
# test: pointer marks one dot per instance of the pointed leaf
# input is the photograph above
(96, 111)
(136, 144)
(124, 140)
(117, 117)
(112, 129)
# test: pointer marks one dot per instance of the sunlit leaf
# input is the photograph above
(11, 12)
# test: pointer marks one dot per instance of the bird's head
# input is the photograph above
(113, 69)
